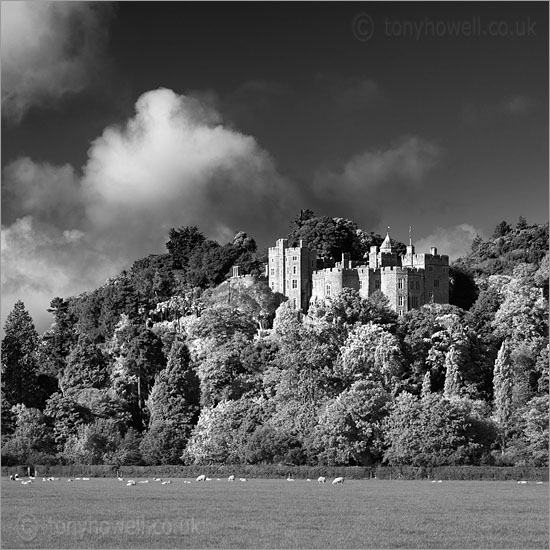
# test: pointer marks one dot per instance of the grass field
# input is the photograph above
(105, 513)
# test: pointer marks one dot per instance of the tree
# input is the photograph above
(174, 408)
(66, 415)
(138, 357)
(220, 323)
(452, 375)
(244, 243)
(349, 431)
(267, 445)
(372, 353)
(502, 229)
(434, 431)
(330, 237)
(19, 368)
(32, 437)
(522, 223)
(86, 367)
(503, 390)
(182, 242)
(222, 373)
(463, 290)
(303, 216)
(477, 243)
(222, 432)
(95, 443)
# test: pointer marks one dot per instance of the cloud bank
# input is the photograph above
(49, 49)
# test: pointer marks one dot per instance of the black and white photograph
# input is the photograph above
(274, 274)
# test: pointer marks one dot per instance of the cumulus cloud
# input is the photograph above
(48, 50)
(174, 163)
(455, 241)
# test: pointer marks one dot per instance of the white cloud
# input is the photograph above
(174, 163)
(40, 262)
(455, 241)
(52, 194)
(48, 50)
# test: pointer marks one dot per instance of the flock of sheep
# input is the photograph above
(202, 477)
(131, 482)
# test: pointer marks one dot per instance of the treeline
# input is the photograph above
(173, 363)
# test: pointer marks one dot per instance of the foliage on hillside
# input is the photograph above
(173, 361)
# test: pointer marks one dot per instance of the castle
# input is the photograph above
(408, 281)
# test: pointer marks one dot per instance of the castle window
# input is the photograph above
(400, 300)
(294, 283)
(294, 303)
(414, 301)
(400, 313)
(412, 285)
(400, 283)
(328, 291)
(360, 284)
(272, 286)
(294, 258)
(436, 282)
(417, 285)
(294, 270)
(376, 284)
(272, 271)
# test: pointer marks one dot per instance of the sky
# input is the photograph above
(123, 120)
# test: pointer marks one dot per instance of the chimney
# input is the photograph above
(433, 251)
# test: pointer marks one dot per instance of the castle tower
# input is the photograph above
(290, 272)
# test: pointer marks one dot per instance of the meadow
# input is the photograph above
(260, 513)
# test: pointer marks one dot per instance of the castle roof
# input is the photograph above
(386, 245)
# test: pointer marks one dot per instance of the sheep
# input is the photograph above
(166, 482)
(12, 478)
(289, 478)
(243, 479)
(85, 479)
(120, 478)
(157, 479)
(202, 477)
(130, 483)
(338, 480)
(144, 481)
(231, 478)
(208, 479)
(321, 479)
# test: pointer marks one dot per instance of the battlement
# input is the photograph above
(408, 280)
